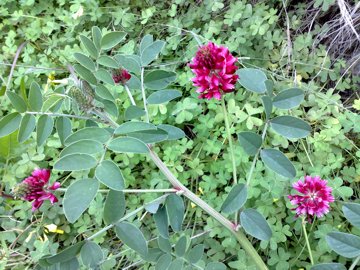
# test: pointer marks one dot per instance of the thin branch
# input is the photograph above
(13, 65)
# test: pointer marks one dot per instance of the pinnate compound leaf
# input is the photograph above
(91, 254)
(175, 210)
(255, 224)
(328, 266)
(132, 237)
(110, 175)
(289, 98)
(252, 79)
(27, 126)
(290, 127)
(78, 197)
(250, 141)
(75, 162)
(235, 200)
(114, 208)
(278, 162)
(344, 244)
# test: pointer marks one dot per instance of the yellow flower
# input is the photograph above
(193, 205)
(201, 191)
(53, 228)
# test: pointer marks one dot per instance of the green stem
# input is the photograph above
(62, 114)
(355, 262)
(229, 137)
(144, 95)
(108, 227)
(256, 156)
(165, 190)
(303, 223)
(130, 95)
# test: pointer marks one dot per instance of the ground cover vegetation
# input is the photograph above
(179, 135)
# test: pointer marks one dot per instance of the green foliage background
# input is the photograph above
(255, 32)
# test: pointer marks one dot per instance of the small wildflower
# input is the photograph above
(214, 67)
(53, 229)
(315, 197)
(120, 75)
(35, 188)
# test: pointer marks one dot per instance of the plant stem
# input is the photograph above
(130, 95)
(144, 95)
(355, 262)
(165, 190)
(62, 114)
(229, 137)
(303, 223)
(108, 227)
(256, 156)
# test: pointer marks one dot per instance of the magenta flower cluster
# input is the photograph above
(35, 188)
(214, 67)
(314, 199)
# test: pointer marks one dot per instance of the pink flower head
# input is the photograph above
(314, 199)
(35, 188)
(214, 67)
(121, 76)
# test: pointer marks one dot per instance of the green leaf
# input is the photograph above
(2, 90)
(175, 210)
(85, 61)
(195, 254)
(164, 244)
(8, 145)
(174, 133)
(278, 162)
(110, 107)
(111, 39)
(215, 266)
(75, 162)
(154, 205)
(129, 127)
(94, 133)
(267, 103)
(161, 221)
(133, 112)
(114, 208)
(181, 246)
(107, 61)
(269, 87)
(250, 141)
(153, 255)
(66, 254)
(86, 74)
(51, 102)
(150, 136)
(163, 96)
(146, 41)
(352, 213)
(110, 175)
(17, 101)
(44, 128)
(235, 200)
(104, 93)
(151, 52)
(289, 98)
(91, 254)
(89, 46)
(83, 147)
(177, 264)
(164, 262)
(104, 76)
(9, 123)
(328, 266)
(96, 35)
(128, 145)
(35, 97)
(290, 127)
(78, 197)
(159, 79)
(63, 128)
(27, 126)
(72, 264)
(252, 79)
(255, 224)
(345, 244)
(132, 237)
(129, 62)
